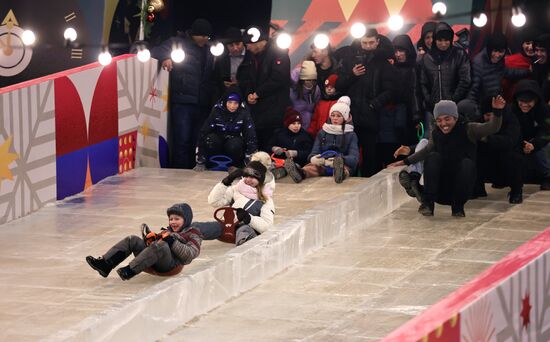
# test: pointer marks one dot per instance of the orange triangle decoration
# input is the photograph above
(394, 6)
(88, 184)
(347, 7)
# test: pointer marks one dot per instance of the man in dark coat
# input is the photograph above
(445, 70)
(534, 119)
(326, 64)
(190, 89)
(370, 81)
(499, 158)
(226, 65)
(264, 77)
(450, 157)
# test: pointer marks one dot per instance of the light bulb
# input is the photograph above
(321, 41)
(28, 37)
(480, 20)
(358, 30)
(439, 7)
(144, 55)
(519, 19)
(70, 34)
(217, 49)
(177, 55)
(255, 33)
(284, 40)
(104, 58)
(395, 22)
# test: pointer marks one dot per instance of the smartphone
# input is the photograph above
(360, 59)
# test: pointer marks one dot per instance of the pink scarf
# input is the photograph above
(251, 192)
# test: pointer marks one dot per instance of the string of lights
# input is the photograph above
(283, 39)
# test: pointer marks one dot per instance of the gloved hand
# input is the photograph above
(277, 150)
(150, 238)
(232, 176)
(329, 162)
(291, 153)
(317, 160)
(199, 167)
(169, 240)
(243, 216)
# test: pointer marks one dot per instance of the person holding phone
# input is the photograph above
(370, 81)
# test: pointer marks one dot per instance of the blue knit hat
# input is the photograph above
(234, 97)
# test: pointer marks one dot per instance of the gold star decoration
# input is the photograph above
(6, 158)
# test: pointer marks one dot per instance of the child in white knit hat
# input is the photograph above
(335, 149)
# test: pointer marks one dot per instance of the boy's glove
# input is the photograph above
(150, 238)
(291, 153)
(243, 216)
(227, 181)
(317, 160)
(277, 150)
(329, 162)
(169, 240)
(199, 167)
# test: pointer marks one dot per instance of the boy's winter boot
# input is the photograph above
(100, 265)
(293, 170)
(339, 172)
(145, 231)
(105, 266)
(279, 172)
(426, 208)
(126, 273)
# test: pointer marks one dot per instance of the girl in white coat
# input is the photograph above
(255, 207)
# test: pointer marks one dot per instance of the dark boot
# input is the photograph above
(105, 266)
(339, 172)
(405, 181)
(426, 208)
(515, 196)
(545, 184)
(100, 265)
(279, 172)
(294, 171)
(126, 273)
(144, 231)
(458, 210)
(416, 188)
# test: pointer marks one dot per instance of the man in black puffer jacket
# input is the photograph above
(370, 81)
(264, 77)
(191, 87)
(488, 70)
(445, 70)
